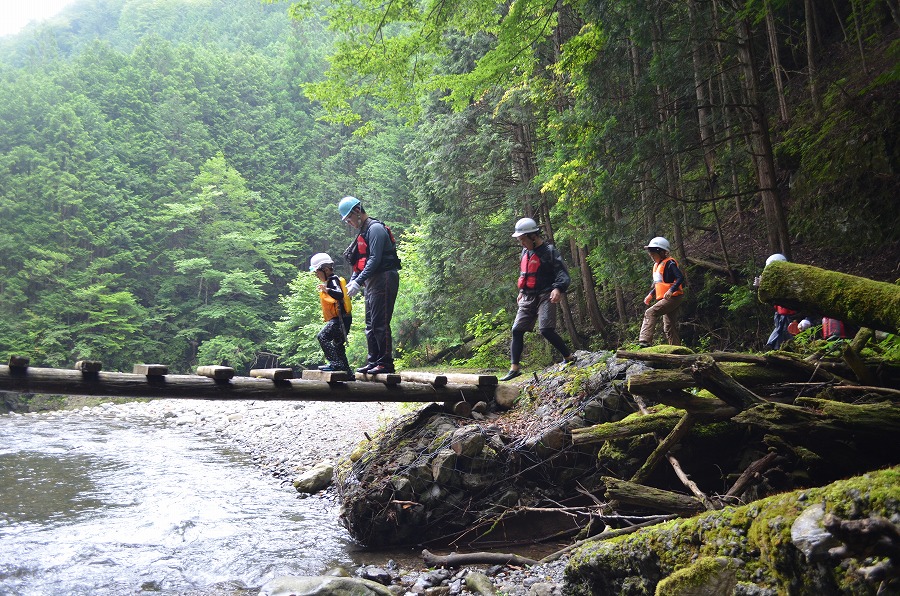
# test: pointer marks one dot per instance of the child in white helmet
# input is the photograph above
(781, 333)
(667, 289)
(336, 307)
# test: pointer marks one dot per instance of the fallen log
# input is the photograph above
(651, 498)
(681, 429)
(857, 300)
(454, 560)
(705, 408)
(831, 419)
(752, 472)
(710, 377)
(628, 427)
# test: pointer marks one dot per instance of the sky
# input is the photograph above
(15, 14)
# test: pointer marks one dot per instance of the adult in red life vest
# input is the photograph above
(667, 289)
(373, 257)
(543, 279)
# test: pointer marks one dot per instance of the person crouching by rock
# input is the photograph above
(336, 309)
(668, 289)
(543, 279)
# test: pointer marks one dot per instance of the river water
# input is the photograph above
(108, 507)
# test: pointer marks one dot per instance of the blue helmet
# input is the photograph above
(346, 206)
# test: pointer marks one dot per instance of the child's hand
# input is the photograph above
(647, 299)
(321, 287)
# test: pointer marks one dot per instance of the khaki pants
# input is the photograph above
(669, 309)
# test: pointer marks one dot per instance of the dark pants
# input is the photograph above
(535, 308)
(333, 338)
(780, 333)
(381, 294)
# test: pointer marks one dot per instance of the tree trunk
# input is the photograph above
(777, 71)
(808, 10)
(761, 147)
(590, 294)
(857, 300)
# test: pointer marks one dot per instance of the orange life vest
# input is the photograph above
(661, 286)
(528, 269)
(330, 307)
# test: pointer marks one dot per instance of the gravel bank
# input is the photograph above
(286, 438)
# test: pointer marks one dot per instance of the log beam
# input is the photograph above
(115, 384)
(651, 498)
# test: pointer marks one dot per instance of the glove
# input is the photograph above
(352, 289)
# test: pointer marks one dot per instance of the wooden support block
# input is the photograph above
(89, 366)
(220, 373)
(432, 379)
(387, 379)
(18, 362)
(467, 379)
(151, 370)
(327, 376)
(462, 409)
(274, 374)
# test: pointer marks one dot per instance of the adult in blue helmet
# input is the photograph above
(373, 258)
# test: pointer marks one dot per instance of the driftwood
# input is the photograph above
(460, 559)
(649, 497)
(857, 300)
(752, 472)
(681, 429)
(864, 538)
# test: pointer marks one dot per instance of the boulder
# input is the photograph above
(315, 479)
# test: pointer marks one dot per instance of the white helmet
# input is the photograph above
(319, 259)
(804, 324)
(776, 257)
(659, 242)
(526, 225)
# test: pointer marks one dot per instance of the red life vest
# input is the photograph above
(528, 269)
(659, 284)
(832, 328)
(362, 249)
(784, 311)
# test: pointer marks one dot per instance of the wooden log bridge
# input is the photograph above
(217, 384)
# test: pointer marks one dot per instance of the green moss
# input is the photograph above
(701, 573)
(759, 534)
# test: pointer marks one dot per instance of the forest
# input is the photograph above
(168, 167)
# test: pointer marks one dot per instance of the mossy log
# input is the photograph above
(812, 416)
(712, 378)
(648, 497)
(857, 300)
(662, 422)
(704, 407)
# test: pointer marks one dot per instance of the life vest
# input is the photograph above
(832, 328)
(659, 284)
(784, 311)
(389, 258)
(528, 269)
(331, 308)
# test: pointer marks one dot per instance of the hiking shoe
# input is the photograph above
(331, 368)
(323, 366)
(365, 369)
(643, 344)
(512, 374)
(380, 370)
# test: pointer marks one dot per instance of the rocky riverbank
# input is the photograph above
(286, 439)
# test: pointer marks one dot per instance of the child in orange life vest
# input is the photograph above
(543, 279)
(668, 289)
(335, 310)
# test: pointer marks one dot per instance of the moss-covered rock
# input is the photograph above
(758, 534)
